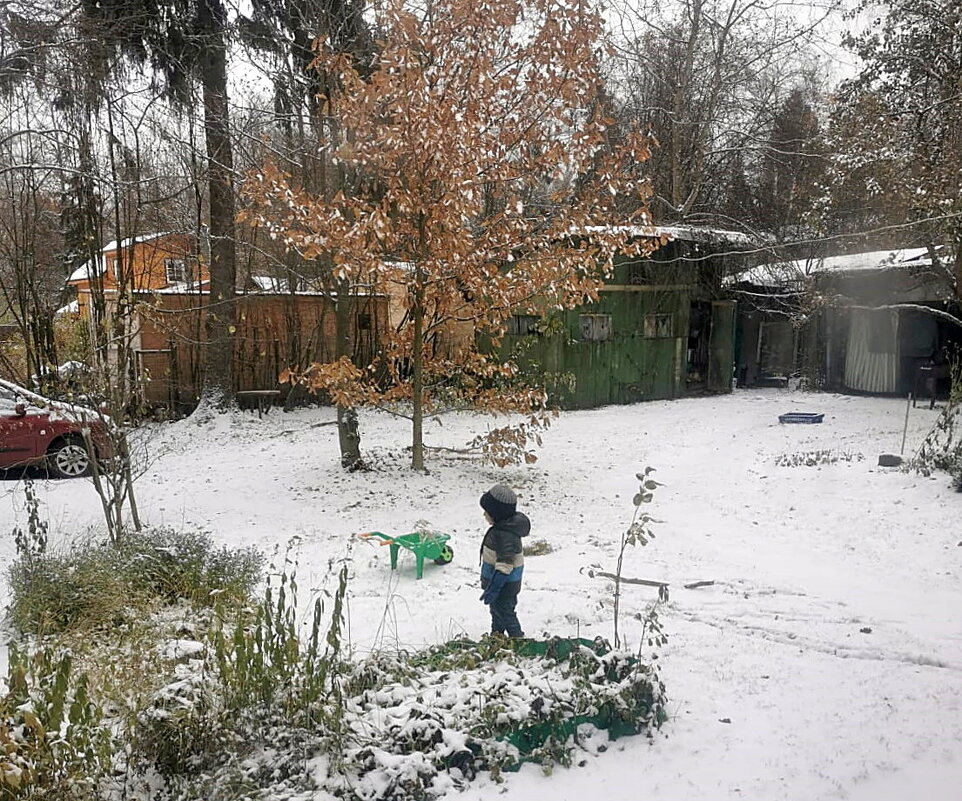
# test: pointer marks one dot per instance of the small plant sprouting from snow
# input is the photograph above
(816, 458)
(32, 543)
(638, 533)
(538, 548)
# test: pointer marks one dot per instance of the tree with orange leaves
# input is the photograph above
(484, 181)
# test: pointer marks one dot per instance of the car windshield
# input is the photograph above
(9, 400)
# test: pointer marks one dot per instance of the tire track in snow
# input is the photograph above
(806, 612)
(805, 643)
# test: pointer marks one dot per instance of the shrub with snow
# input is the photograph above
(942, 448)
(95, 584)
(414, 726)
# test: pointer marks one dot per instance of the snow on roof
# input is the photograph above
(86, 270)
(71, 308)
(792, 272)
(268, 283)
(873, 260)
(687, 233)
(133, 240)
(183, 288)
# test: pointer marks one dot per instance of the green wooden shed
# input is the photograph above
(661, 328)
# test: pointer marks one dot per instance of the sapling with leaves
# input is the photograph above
(487, 185)
(640, 532)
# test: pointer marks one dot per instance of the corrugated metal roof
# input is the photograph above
(789, 273)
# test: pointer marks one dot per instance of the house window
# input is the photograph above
(659, 326)
(363, 321)
(175, 270)
(521, 325)
(595, 327)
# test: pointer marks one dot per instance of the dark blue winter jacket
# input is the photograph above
(502, 550)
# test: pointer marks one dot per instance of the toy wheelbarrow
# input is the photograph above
(424, 545)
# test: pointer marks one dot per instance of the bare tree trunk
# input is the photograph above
(116, 487)
(680, 134)
(957, 264)
(348, 435)
(221, 311)
(417, 411)
(128, 481)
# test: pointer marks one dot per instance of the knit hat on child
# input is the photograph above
(500, 502)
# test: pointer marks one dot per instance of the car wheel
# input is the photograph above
(69, 459)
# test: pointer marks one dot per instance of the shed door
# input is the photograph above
(722, 346)
(872, 357)
(776, 346)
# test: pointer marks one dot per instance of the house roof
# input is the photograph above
(787, 273)
(88, 270)
(133, 240)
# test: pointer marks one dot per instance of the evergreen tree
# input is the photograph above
(186, 42)
(791, 168)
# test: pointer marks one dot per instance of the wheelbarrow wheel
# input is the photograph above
(447, 554)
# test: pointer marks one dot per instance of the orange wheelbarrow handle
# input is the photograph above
(384, 540)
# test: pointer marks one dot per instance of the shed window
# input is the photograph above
(521, 325)
(176, 271)
(595, 327)
(659, 326)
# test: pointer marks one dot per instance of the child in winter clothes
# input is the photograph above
(502, 558)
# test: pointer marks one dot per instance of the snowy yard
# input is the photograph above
(825, 662)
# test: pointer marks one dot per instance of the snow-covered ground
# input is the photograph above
(825, 662)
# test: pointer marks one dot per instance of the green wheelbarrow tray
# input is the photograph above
(423, 545)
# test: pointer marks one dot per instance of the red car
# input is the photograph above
(37, 431)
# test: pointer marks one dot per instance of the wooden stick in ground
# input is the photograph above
(905, 428)
(644, 582)
(649, 583)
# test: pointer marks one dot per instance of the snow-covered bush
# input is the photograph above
(94, 584)
(81, 588)
(254, 674)
(181, 725)
(404, 725)
(491, 705)
(172, 565)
